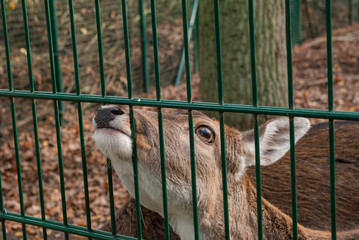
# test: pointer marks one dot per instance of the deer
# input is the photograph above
(112, 136)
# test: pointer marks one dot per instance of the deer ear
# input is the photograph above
(273, 140)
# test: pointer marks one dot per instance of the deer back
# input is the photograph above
(313, 178)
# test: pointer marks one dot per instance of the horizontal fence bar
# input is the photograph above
(71, 229)
(205, 106)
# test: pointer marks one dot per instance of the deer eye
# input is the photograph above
(205, 134)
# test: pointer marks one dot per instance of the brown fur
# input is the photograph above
(242, 194)
(152, 223)
(312, 166)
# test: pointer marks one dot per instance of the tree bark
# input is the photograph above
(236, 61)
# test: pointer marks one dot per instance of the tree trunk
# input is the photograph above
(236, 62)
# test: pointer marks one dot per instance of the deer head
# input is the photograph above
(113, 137)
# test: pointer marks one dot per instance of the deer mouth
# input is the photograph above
(112, 130)
(114, 143)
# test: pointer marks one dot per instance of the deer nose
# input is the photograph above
(107, 114)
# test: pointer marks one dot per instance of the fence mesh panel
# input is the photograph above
(121, 38)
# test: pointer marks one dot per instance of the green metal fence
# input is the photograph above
(11, 94)
(112, 41)
(307, 22)
(313, 16)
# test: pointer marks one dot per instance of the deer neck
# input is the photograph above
(243, 221)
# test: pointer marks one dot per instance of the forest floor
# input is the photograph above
(310, 88)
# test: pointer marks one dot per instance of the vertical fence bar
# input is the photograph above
(146, 77)
(224, 177)
(2, 211)
(163, 173)
(155, 49)
(160, 118)
(38, 163)
(296, 16)
(27, 40)
(288, 27)
(299, 25)
(291, 119)
(189, 30)
(103, 94)
(57, 117)
(127, 49)
(110, 193)
(332, 179)
(100, 47)
(135, 173)
(293, 178)
(351, 12)
(218, 52)
(13, 117)
(256, 123)
(61, 166)
(328, 7)
(132, 117)
(193, 175)
(80, 118)
(18, 164)
(34, 117)
(186, 48)
(51, 51)
(74, 47)
(253, 53)
(258, 177)
(55, 44)
(190, 116)
(329, 53)
(196, 43)
(6, 40)
(84, 168)
(221, 102)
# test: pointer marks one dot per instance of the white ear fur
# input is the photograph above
(274, 140)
